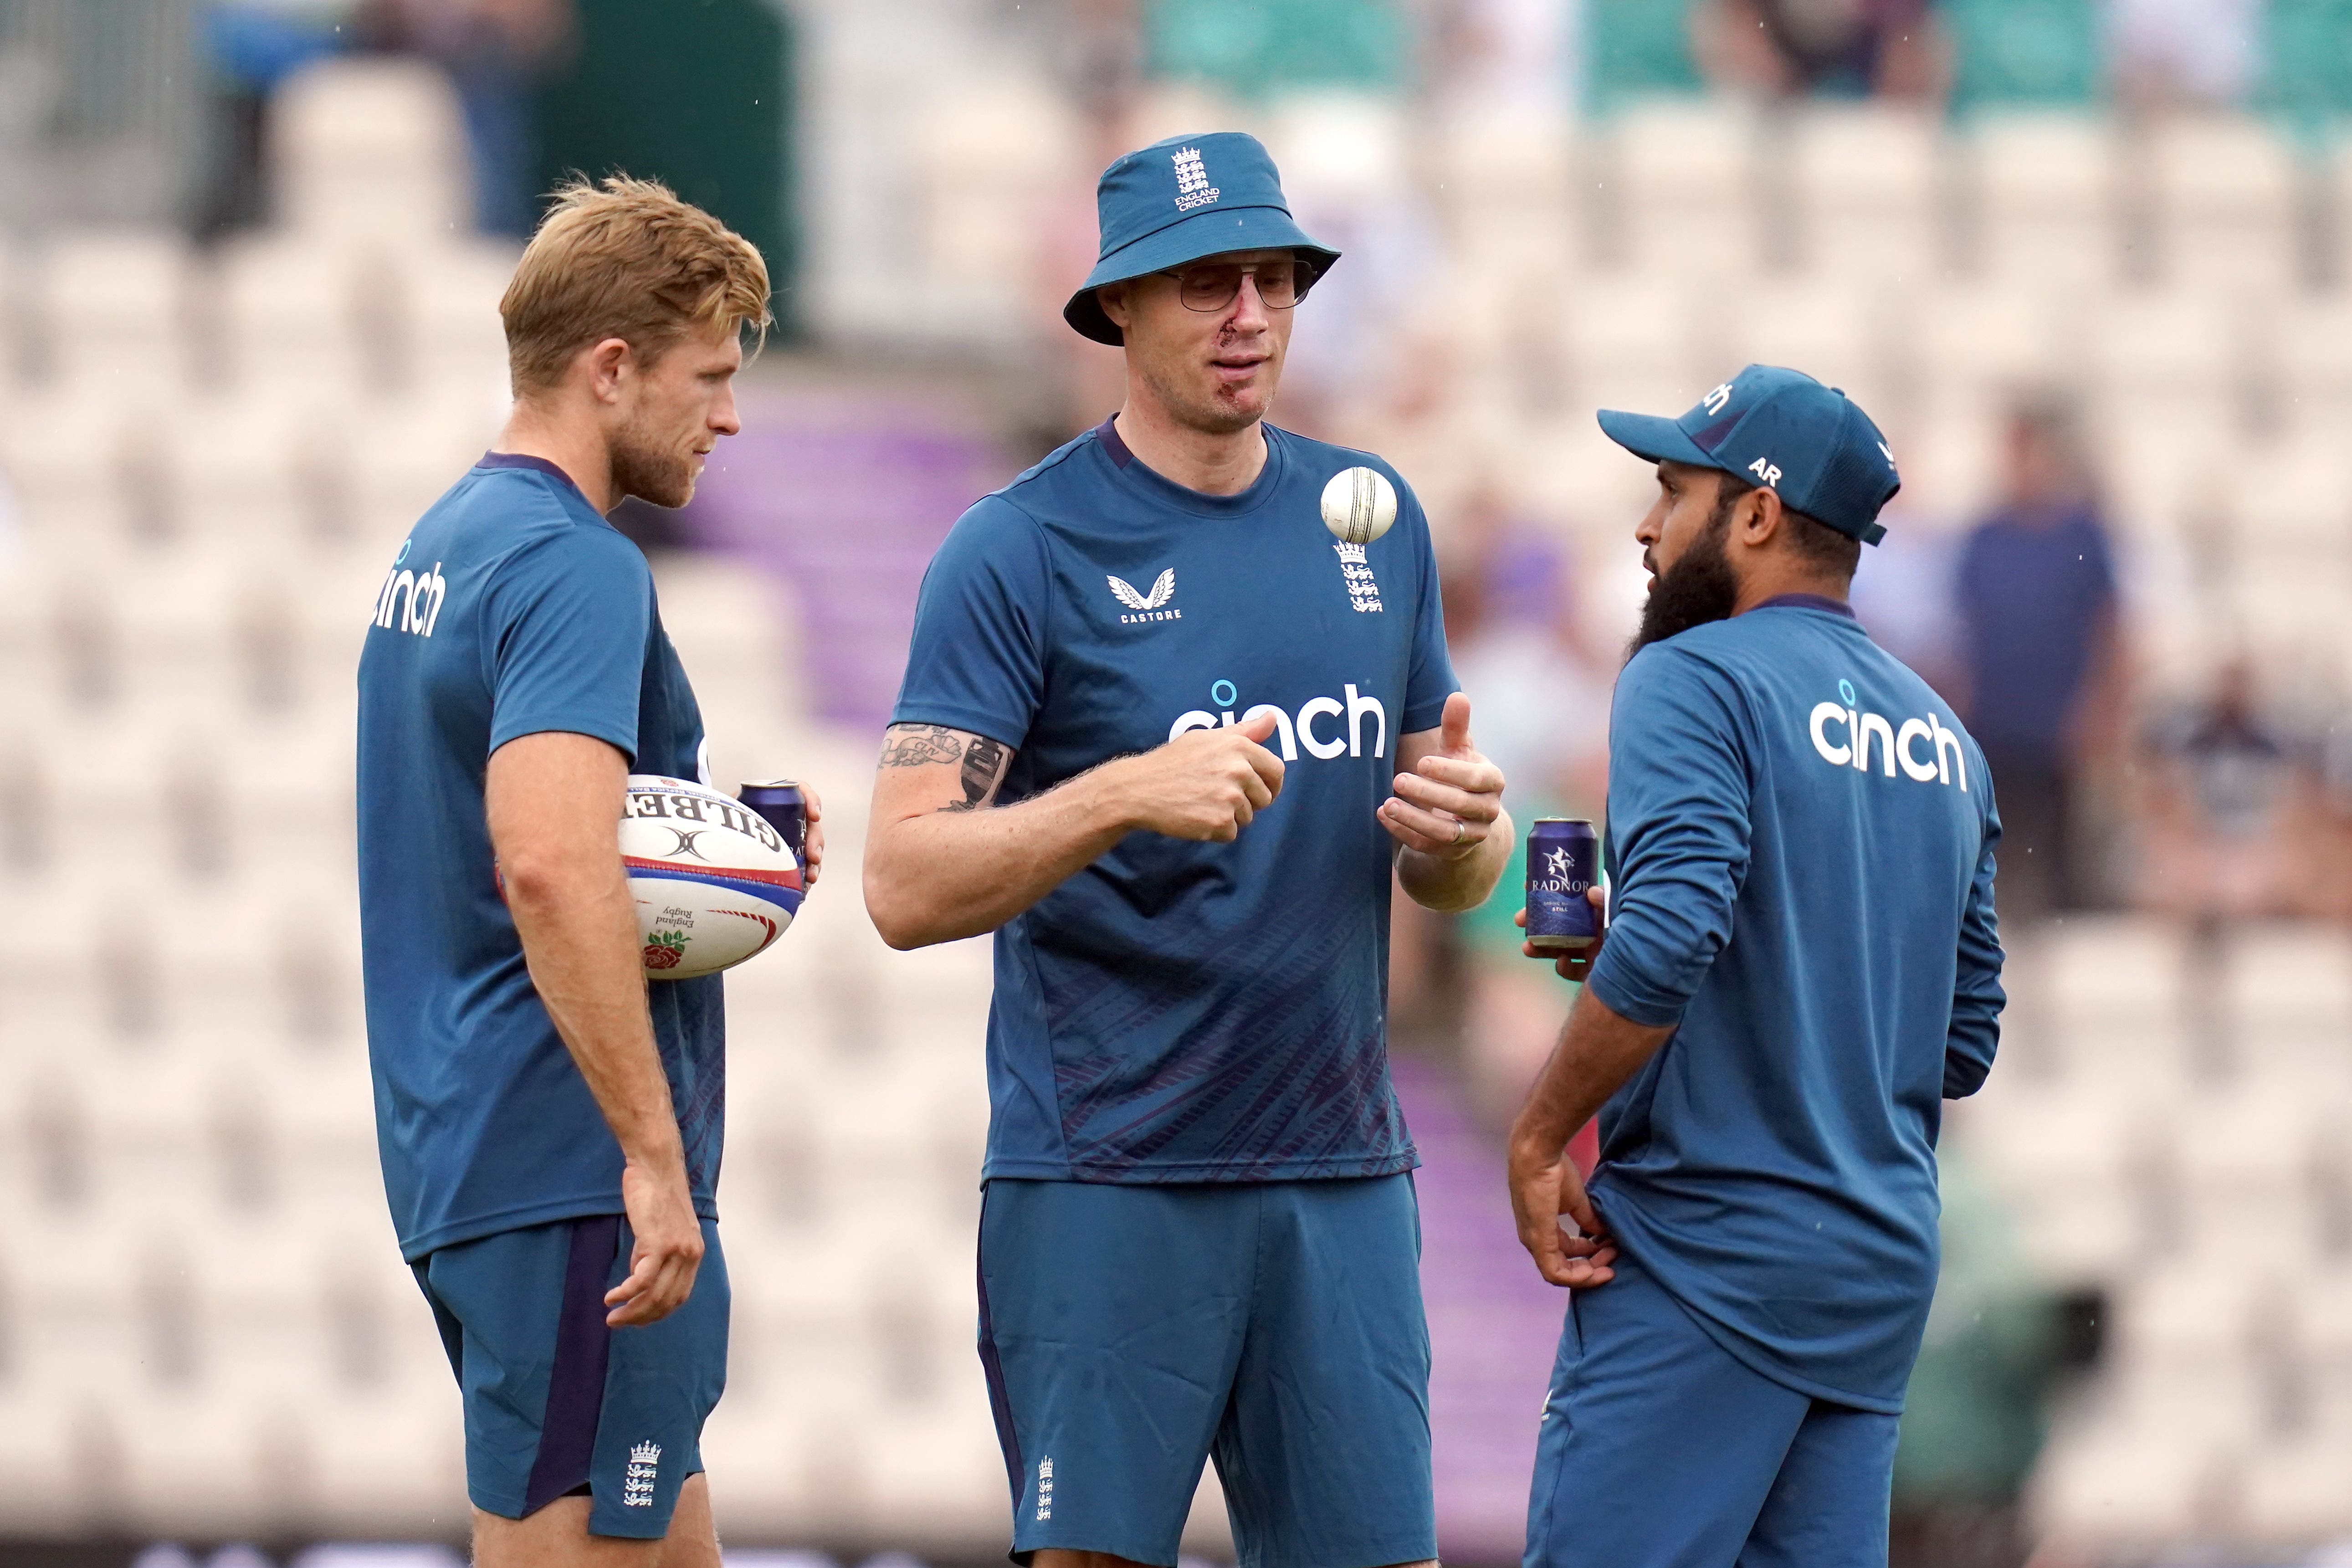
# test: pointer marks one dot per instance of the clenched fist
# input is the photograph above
(1205, 784)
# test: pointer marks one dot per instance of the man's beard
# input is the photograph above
(1697, 589)
(644, 469)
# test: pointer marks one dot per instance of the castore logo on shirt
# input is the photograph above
(1146, 607)
(1291, 731)
(1895, 745)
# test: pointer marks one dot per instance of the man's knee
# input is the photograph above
(557, 1536)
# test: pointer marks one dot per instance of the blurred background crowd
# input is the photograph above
(2089, 263)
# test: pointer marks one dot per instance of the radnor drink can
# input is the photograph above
(786, 809)
(1563, 865)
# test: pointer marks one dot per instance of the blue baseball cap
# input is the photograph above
(1177, 201)
(1781, 428)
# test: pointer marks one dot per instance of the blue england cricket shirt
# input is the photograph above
(1181, 1012)
(1802, 846)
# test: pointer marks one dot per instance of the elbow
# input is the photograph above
(535, 881)
(895, 911)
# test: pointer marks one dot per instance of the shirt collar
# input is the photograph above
(1807, 602)
(538, 465)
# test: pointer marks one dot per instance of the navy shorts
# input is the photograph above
(1658, 1446)
(1132, 1332)
(558, 1404)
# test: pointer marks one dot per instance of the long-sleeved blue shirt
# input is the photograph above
(1802, 849)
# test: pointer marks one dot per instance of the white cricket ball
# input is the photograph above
(1359, 505)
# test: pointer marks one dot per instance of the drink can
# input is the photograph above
(1563, 865)
(786, 809)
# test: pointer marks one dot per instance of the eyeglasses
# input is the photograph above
(1215, 285)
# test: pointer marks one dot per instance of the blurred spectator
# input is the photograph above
(2231, 820)
(248, 48)
(495, 51)
(1539, 695)
(1340, 162)
(1902, 594)
(1822, 49)
(1100, 53)
(1539, 708)
(2040, 678)
(2203, 52)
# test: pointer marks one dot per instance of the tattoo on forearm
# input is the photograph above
(917, 745)
(922, 745)
(983, 760)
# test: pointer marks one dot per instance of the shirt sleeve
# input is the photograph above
(567, 619)
(1976, 994)
(1431, 680)
(1678, 818)
(977, 659)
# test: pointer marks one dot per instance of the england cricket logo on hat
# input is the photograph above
(1192, 187)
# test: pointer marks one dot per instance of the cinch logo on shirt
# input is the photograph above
(415, 597)
(1345, 720)
(1895, 745)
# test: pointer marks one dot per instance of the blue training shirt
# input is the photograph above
(1802, 845)
(512, 609)
(1181, 1012)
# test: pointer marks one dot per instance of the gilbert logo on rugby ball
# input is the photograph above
(714, 882)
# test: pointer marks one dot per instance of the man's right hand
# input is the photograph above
(1205, 784)
(1546, 1188)
(668, 1250)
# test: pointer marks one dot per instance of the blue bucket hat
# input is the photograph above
(1781, 428)
(1177, 201)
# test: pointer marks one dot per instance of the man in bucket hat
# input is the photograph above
(1167, 736)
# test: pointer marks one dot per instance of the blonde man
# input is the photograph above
(549, 1126)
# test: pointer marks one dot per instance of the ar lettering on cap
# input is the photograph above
(1765, 471)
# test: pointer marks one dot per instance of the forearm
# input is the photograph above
(580, 938)
(944, 874)
(1598, 1050)
(1437, 882)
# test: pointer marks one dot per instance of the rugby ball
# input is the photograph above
(1359, 505)
(715, 883)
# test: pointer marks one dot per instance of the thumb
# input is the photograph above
(1259, 727)
(1454, 729)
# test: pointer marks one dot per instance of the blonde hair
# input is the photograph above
(625, 258)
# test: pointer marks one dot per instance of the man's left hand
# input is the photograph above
(1448, 804)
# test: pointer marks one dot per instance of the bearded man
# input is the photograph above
(1803, 964)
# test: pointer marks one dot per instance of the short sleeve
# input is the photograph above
(977, 659)
(567, 619)
(1431, 680)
